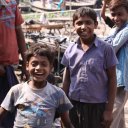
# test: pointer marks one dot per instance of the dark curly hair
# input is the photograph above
(84, 11)
(41, 50)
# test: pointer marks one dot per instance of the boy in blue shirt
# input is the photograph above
(90, 74)
(119, 39)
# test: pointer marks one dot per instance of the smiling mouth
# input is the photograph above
(117, 22)
(83, 33)
(39, 74)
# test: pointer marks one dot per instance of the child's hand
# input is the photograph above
(107, 119)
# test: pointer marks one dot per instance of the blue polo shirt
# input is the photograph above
(89, 81)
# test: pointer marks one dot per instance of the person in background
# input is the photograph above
(62, 5)
(119, 39)
(37, 108)
(11, 44)
(43, 19)
(43, 3)
(106, 19)
(90, 74)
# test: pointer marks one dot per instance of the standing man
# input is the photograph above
(11, 44)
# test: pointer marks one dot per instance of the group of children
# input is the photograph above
(95, 73)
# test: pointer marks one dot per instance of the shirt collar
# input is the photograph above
(95, 42)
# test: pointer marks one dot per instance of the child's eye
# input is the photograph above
(79, 23)
(113, 14)
(88, 22)
(34, 64)
(119, 14)
(44, 64)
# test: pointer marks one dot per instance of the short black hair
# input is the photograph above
(84, 11)
(114, 4)
(41, 49)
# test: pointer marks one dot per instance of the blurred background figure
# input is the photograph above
(43, 18)
(43, 3)
(49, 4)
(62, 5)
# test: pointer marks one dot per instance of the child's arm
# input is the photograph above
(22, 49)
(103, 9)
(3, 113)
(66, 120)
(66, 80)
(107, 19)
(111, 72)
(120, 40)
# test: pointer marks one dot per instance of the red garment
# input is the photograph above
(10, 17)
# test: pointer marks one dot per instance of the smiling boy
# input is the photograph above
(36, 100)
(119, 39)
(89, 78)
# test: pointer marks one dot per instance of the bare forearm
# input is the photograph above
(66, 87)
(3, 113)
(21, 42)
(66, 120)
(111, 89)
(103, 9)
(66, 81)
(111, 98)
(22, 49)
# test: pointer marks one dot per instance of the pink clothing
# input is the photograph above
(10, 17)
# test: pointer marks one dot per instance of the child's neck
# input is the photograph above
(85, 44)
(37, 85)
(88, 41)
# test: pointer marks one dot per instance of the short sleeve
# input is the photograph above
(120, 39)
(65, 60)
(8, 102)
(63, 102)
(68, 55)
(110, 57)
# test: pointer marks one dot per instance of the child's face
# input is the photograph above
(84, 27)
(119, 16)
(39, 68)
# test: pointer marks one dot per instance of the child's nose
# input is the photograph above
(116, 17)
(84, 25)
(38, 66)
